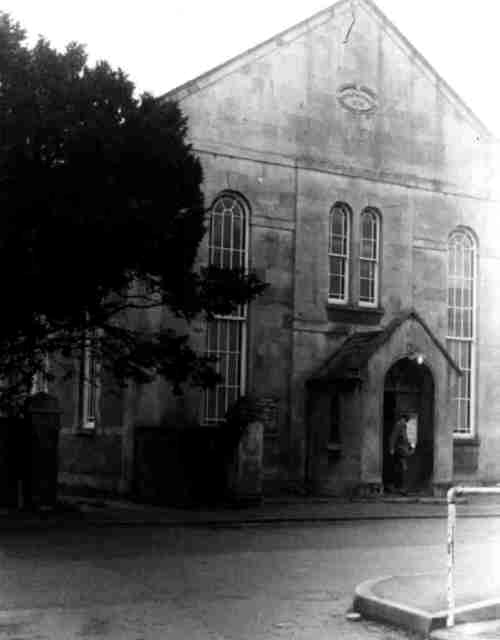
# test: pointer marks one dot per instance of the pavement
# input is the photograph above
(272, 510)
(418, 603)
(415, 602)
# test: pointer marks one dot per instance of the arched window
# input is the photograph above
(226, 335)
(369, 258)
(89, 384)
(338, 252)
(227, 241)
(462, 308)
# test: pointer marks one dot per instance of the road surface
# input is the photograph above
(252, 583)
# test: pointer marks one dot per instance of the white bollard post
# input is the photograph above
(452, 519)
(450, 588)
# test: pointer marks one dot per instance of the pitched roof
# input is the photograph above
(347, 362)
(271, 44)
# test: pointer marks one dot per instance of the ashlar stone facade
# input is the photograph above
(366, 190)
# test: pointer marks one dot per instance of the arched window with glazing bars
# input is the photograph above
(461, 340)
(369, 257)
(226, 335)
(339, 241)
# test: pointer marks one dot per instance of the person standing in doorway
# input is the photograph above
(400, 448)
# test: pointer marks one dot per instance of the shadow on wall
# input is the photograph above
(181, 466)
(29, 457)
(189, 464)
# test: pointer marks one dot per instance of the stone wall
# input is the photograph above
(179, 466)
(280, 127)
(285, 127)
(90, 461)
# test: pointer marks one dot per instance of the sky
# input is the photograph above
(161, 44)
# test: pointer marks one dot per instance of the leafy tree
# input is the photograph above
(101, 218)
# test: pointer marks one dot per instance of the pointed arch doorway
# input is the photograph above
(409, 388)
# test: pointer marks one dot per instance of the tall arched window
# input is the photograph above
(89, 388)
(369, 258)
(226, 335)
(462, 307)
(338, 252)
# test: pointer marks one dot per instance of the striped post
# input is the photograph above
(452, 520)
(450, 586)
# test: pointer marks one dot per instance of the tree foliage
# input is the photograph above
(102, 215)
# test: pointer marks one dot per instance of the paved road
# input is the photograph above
(258, 583)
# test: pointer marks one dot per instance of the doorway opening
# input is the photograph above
(409, 389)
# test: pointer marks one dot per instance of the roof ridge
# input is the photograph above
(181, 91)
(281, 34)
(423, 60)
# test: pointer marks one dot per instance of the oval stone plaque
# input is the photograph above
(357, 99)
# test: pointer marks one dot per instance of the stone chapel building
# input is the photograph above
(345, 171)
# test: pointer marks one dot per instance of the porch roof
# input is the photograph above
(348, 361)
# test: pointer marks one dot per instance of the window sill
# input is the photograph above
(466, 441)
(354, 314)
(85, 432)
